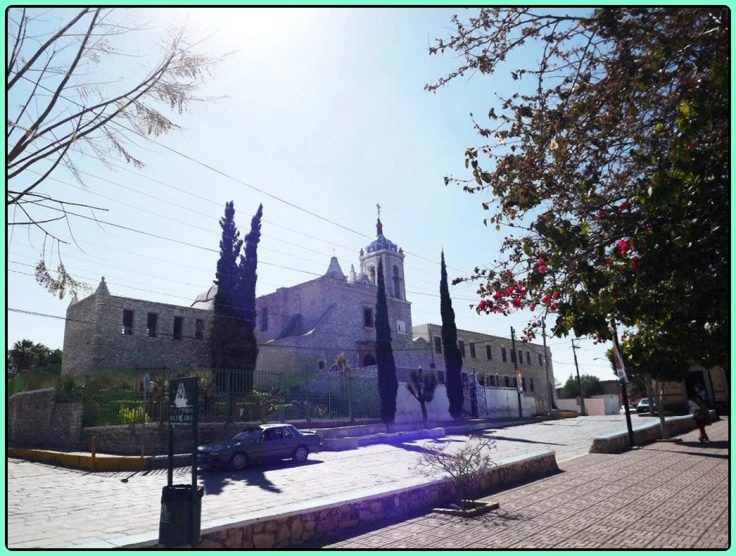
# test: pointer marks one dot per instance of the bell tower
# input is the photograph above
(393, 262)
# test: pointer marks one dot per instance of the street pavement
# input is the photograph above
(661, 496)
(51, 507)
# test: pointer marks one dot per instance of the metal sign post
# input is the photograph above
(184, 412)
(146, 387)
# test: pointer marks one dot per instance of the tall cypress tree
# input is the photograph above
(246, 297)
(226, 279)
(388, 385)
(453, 359)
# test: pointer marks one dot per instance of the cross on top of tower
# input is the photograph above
(378, 206)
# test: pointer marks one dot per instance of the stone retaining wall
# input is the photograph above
(619, 442)
(296, 527)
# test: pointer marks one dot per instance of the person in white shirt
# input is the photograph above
(699, 410)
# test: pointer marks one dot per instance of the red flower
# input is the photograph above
(542, 270)
(601, 213)
(509, 291)
(532, 306)
(635, 264)
(556, 295)
(546, 298)
(534, 325)
(517, 302)
(497, 295)
(691, 146)
(624, 206)
(553, 307)
(622, 247)
(541, 262)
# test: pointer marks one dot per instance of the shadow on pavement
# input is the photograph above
(495, 437)
(215, 481)
(715, 445)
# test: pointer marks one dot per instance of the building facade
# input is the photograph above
(302, 328)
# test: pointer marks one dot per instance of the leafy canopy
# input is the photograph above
(609, 167)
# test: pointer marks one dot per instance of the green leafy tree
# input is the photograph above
(450, 349)
(388, 384)
(591, 387)
(27, 355)
(422, 386)
(609, 166)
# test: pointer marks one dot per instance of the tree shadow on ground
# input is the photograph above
(714, 445)
(215, 481)
(509, 439)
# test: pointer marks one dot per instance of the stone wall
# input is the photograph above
(36, 420)
(619, 442)
(297, 527)
(93, 338)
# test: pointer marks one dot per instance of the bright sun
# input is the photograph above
(248, 24)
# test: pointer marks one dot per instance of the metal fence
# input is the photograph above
(117, 397)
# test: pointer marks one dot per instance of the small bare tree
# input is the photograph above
(466, 467)
(58, 112)
(422, 387)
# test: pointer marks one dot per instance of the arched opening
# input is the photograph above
(369, 360)
(397, 283)
(372, 272)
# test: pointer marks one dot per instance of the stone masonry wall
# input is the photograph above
(78, 337)
(292, 529)
(36, 420)
(88, 349)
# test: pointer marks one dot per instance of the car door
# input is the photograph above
(274, 444)
(289, 442)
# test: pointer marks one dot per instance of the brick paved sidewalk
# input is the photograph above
(664, 495)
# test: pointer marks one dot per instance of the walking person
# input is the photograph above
(699, 410)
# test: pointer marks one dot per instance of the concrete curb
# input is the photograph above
(83, 462)
(643, 434)
(295, 524)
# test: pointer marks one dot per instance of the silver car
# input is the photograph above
(257, 445)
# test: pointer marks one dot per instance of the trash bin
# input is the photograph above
(174, 526)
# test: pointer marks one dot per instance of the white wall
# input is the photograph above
(500, 402)
(408, 409)
(600, 405)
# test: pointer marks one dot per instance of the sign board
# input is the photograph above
(519, 383)
(183, 396)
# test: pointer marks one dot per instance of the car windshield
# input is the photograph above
(644, 402)
(248, 434)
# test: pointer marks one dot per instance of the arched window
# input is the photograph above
(369, 360)
(397, 283)
(372, 272)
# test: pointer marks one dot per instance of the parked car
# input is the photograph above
(643, 406)
(261, 444)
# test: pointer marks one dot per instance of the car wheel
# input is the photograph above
(239, 461)
(300, 454)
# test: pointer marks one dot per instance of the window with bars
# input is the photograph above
(437, 344)
(178, 327)
(503, 354)
(528, 358)
(489, 355)
(461, 345)
(541, 364)
(472, 350)
(199, 329)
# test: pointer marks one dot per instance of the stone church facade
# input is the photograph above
(299, 328)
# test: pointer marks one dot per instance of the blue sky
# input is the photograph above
(325, 109)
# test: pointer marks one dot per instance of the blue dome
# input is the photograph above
(381, 243)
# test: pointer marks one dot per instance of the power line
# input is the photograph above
(217, 171)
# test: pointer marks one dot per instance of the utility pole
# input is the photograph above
(580, 385)
(513, 358)
(546, 366)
